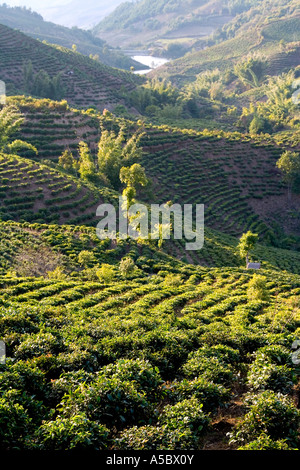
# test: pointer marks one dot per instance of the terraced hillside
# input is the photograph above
(33, 25)
(55, 126)
(233, 175)
(83, 81)
(160, 23)
(166, 342)
(34, 192)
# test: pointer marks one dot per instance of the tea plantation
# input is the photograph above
(160, 358)
(137, 343)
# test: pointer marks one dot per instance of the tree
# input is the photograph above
(105, 273)
(114, 152)
(67, 161)
(87, 168)
(289, 164)
(133, 176)
(86, 258)
(251, 71)
(247, 243)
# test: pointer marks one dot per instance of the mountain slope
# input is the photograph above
(152, 22)
(264, 30)
(232, 174)
(81, 80)
(75, 13)
(32, 24)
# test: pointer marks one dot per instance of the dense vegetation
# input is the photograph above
(170, 337)
(140, 344)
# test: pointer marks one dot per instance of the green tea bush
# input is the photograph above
(138, 371)
(264, 442)
(15, 425)
(68, 382)
(185, 414)
(209, 394)
(109, 400)
(263, 375)
(24, 377)
(271, 370)
(212, 363)
(271, 413)
(37, 345)
(155, 438)
(74, 433)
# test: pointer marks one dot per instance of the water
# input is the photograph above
(151, 61)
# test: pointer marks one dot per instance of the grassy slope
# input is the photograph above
(91, 84)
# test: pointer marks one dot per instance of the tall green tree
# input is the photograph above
(289, 164)
(114, 152)
(134, 177)
(246, 244)
(67, 161)
(87, 168)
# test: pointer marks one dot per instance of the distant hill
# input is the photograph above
(32, 24)
(57, 72)
(270, 29)
(168, 25)
(77, 13)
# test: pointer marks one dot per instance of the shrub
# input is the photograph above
(105, 273)
(155, 438)
(185, 414)
(112, 401)
(74, 433)
(271, 413)
(127, 266)
(138, 371)
(212, 364)
(257, 289)
(15, 424)
(209, 394)
(269, 370)
(68, 382)
(264, 442)
(25, 377)
(37, 345)
(86, 258)
(173, 280)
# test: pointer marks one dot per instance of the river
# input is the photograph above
(151, 61)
